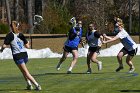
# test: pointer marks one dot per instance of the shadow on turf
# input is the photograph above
(14, 90)
(63, 74)
(129, 90)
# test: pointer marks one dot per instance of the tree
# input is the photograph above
(2, 9)
(30, 18)
(8, 12)
(16, 12)
(38, 7)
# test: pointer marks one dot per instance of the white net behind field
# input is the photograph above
(47, 53)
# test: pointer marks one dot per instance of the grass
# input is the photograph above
(52, 81)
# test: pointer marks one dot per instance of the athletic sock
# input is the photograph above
(133, 67)
(29, 82)
(98, 62)
(36, 84)
(70, 69)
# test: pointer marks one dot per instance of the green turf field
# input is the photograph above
(52, 81)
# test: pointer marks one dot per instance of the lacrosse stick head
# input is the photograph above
(37, 19)
(73, 21)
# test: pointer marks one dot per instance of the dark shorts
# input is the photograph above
(94, 49)
(132, 52)
(69, 49)
(21, 60)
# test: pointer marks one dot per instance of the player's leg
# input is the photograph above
(94, 59)
(64, 56)
(20, 61)
(29, 83)
(131, 54)
(75, 57)
(129, 62)
(27, 75)
(89, 63)
(119, 58)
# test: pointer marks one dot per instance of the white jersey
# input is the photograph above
(92, 40)
(16, 41)
(17, 45)
(126, 40)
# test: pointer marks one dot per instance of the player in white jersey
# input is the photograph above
(93, 39)
(129, 48)
(18, 42)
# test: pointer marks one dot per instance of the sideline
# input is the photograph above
(2, 36)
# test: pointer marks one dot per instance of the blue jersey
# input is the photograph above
(74, 37)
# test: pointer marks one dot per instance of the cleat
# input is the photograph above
(38, 87)
(89, 71)
(99, 65)
(118, 69)
(29, 87)
(69, 72)
(131, 70)
(58, 68)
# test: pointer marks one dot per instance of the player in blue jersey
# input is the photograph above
(93, 39)
(130, 47)
(71, 46)
(18, 42)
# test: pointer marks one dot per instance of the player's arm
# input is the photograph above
(26, 43)
(107, 37)
(101, 38)
(82, 42)
(9, 37)
(113, 39)
(86, 38)
(72, 34)
(3, 47)
(98, 35)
